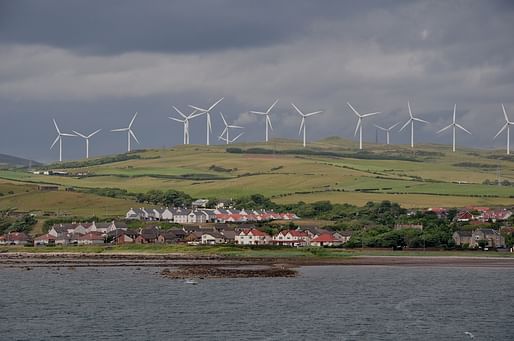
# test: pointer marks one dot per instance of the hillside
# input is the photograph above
(9, 161)
(331, 169)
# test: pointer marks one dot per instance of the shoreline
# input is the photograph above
(126, 259)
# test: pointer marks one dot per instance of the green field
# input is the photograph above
(331, 169)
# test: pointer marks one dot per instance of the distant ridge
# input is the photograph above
(9, 161)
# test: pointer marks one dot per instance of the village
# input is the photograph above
(199, 225)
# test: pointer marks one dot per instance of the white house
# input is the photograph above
(213, 238)
(252, 237)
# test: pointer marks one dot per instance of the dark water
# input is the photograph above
(323, 303)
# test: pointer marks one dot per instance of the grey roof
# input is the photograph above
(464, 233)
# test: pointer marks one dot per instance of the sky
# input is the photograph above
(92, 64)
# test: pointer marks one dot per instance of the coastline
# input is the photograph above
(127, 259)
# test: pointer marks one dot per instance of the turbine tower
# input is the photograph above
(303, 124)
(507, 125)
(129, 131)
(59, 138)
(387, 130)
(411, 122)
(454, 125)
(268, 120)
(185, 121)
(359, 122)
(87, 137)
(226, 131)
(207, 112)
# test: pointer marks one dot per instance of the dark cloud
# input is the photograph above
(91, 64)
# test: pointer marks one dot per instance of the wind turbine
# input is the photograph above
(387, 130)
(507, 125)
(359, 122)
(454, 125)
(185, 121)
(411, 122)
(87, 139)
(268, 120)
(226, 131)
(303, 124)
(59, 138)
(207, 112)
(129, 132)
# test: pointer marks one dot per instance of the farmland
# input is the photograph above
(330, 169)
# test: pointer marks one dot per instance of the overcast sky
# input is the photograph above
(92, 64)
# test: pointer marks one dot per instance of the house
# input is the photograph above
(164, 214)
(462, 237)
(194, 238)
(2, 240)
(200, 203)
(197, 217)
(46, 239)
(212, 238)
(17, 238)
(120, 236)
(343, 236)
(229, 235)
(148, 235)
(493, 238)
(464, 216)
(326, 239)
(91, 238)
(252, 237)
(180, 215)
(291, 238)
(171, 236)
(496, 215)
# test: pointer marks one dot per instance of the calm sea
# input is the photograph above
(323, 303)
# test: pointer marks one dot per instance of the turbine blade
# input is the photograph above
(132, 120)
(406, 124)
(441, 130)
(198, 109)
(501, 130)
(298, 110)
(120, 129)
(359, 122)
(393, 126)
(258, 113)
(67, 134)
(268, 120)
(419, 120)
(505, 114)
(134, 136)
(176, 119)
(96, 132)
(410, 111)
(237, 127)
(179, 112)
(79, 134)
(302, 123)
(454, 111)
(224, 131)
(238, 136)
(355, 111)
(313, 113)
(371, 114)
(462, 128)
(56, 127)
(55, 141)
(271, 107)
(223, 118)
(381, 128)
(216, 103)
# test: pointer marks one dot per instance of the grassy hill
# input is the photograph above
(9, 161)
(331, 169)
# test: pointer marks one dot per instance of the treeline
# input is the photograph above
(165, 198)
(19, 224)
(95, 162)
(504, 182)
(367, 155)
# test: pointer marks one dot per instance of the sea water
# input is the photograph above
(322, 303)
